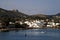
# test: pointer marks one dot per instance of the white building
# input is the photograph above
(20, 22)
(11, 23)
(57, 24)
(51, 24)
(35, 24)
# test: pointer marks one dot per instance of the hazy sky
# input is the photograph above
(32, 6)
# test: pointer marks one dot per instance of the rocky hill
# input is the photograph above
(16, 14)
(12, 13)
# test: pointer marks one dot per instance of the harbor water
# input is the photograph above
(31, 34)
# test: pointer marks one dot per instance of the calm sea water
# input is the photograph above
(31, 34)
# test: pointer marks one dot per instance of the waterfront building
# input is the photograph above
(51, 24)
(11, 23)
(35, 24)
(19, 22)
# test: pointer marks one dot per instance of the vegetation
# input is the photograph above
(13, 15)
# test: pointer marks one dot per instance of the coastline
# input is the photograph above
(13, 29)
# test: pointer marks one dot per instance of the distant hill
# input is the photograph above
(12, 13)
(16, 14)
(58, 14)
(39, 15)
(42, 16)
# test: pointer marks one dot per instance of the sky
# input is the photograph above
(31, 7)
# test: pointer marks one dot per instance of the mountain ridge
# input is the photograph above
(20, 15)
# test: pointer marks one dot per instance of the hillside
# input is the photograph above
(12, 13)
(19, 15)
(58, 14)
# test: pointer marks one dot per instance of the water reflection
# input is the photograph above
(35, 32)
(31, 34)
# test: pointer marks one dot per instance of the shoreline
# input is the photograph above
(13, 29)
